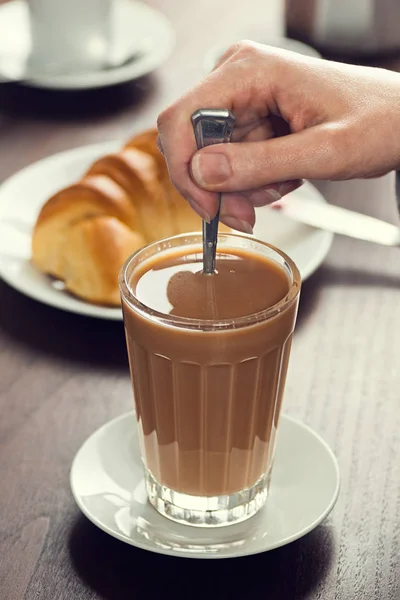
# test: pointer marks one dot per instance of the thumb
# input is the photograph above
(313, 153)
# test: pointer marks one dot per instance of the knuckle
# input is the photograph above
(333, 136)
(339, 148)
(246, 48)
(237, 51)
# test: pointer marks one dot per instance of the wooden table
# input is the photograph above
(62, 376)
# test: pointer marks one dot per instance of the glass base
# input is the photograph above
(207, 511)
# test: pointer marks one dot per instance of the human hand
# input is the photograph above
(296, 117)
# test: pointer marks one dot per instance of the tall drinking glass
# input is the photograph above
(208, 393)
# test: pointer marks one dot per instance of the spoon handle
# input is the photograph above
(211, 126)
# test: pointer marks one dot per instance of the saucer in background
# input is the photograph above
(142, 37)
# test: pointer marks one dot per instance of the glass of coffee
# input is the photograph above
(208, 357)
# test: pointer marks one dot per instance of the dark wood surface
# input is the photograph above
(62, 376)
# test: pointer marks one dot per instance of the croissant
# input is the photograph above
(104, 242)
(85, 232)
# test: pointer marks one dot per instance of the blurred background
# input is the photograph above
(83, 80)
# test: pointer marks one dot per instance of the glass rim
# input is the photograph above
(130, 298)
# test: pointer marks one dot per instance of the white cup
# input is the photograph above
(69, 35)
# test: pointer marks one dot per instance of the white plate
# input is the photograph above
(215, 53)
(22, 196)
(135, 25)
(107, 484)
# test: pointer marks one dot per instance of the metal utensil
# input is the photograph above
(211, 126)
(340, 220)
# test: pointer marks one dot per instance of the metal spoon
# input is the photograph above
(211, 126)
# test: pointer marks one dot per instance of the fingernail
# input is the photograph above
(210, 168)
(238, 224)
(273, 195)
(289, 186)
(263, 197)
(199, 209)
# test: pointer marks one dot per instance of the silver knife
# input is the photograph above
(339, 220)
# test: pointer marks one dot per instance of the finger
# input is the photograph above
(218, 90)
(207, 207)
(272, 193)
(255, 131)
(178, 143)
(261, 197)
(206, 212)
(159, 145)
(237, 212)
(376, 175)
(315, 153)
(229, 52)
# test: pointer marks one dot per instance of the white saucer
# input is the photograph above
(215, 53)
(107, 484)
(135, 26)
(22, 196)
